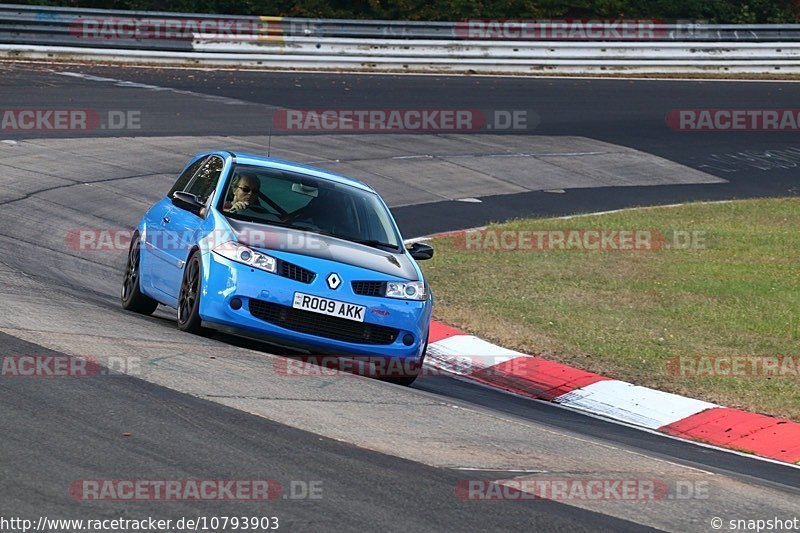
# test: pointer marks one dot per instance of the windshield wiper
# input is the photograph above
(243, 218)
(366, 242)
(259, 220)
(376, 244)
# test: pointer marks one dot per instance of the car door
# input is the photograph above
(155, 259)
(184, 228)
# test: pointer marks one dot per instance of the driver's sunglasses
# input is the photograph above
(245, 189)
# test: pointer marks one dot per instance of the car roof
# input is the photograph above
(269, 162)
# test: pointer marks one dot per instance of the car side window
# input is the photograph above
(186, 176)
(205, 181)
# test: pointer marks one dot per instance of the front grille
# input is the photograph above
(330, 327)
(297, 273)
(369, 288)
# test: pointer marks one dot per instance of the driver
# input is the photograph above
(245, 188)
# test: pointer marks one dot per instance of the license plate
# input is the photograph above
(324, 306)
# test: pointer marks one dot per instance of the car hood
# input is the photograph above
(323, 247)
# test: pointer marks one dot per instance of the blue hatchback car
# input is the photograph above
(277, 250)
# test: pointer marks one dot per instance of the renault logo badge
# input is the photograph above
(334, 280)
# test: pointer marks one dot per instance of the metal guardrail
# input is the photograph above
(479, 45)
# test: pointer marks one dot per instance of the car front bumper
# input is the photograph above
(227, 283)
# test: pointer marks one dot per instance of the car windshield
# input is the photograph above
(299, 201)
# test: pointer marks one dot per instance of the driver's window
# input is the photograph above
(205, 181)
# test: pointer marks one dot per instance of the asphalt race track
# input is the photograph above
(385, 457)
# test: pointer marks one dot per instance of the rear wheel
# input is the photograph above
(132, 297)
(189, 298)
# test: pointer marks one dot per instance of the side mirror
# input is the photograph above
(421, 251)
(187, 201)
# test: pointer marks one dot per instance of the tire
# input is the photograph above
(189, 297)
(405, 381)
(132, 297)
(408, 380)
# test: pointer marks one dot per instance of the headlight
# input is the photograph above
(408, 290)
(242, 254)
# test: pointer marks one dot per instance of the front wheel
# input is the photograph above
(189, 297)
(132, 297)
(412, 376)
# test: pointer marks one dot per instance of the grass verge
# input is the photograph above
(723, 282)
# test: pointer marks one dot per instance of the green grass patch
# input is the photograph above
(733, 290)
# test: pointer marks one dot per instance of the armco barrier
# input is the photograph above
(496, 46)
